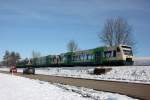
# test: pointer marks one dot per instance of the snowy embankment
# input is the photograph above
(19, 88)
(137, 74)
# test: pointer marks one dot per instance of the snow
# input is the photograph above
(139, 74)
(20, 88)
(136, 74)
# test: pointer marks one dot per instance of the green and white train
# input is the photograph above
(115, 55)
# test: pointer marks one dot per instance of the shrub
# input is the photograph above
(99, 71)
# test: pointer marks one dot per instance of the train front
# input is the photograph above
(127, 54)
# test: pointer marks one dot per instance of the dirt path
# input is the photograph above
(141, 91)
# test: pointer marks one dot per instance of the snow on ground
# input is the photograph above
(129, 73)
(138, 74)
(19, 88)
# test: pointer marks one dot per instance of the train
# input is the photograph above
(111, 56)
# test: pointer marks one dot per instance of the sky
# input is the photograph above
(47, 26)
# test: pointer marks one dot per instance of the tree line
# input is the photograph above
(11, 58)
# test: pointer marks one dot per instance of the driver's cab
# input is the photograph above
(126, 53)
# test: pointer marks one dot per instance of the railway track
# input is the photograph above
(137, 90)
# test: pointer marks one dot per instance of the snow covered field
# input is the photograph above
(19, 88)
(138, 74)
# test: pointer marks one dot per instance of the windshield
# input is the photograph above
(127, 52)
(126, 47)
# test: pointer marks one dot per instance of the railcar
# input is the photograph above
(115, 55)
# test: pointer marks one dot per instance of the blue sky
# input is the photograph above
(47, 25)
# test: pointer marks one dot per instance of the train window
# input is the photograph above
(87, 57)
(107, 54)
(126, 47)
(76, 58)
(82, 57)
(64, 59)
(79, 57)
(118, 49)
(73, 58)
(127, 52)
(114, 53)
(91, 57)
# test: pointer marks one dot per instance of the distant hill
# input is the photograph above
(142, 61)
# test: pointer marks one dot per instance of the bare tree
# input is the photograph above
(107, 36)
(72, 46)
(117, 31)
